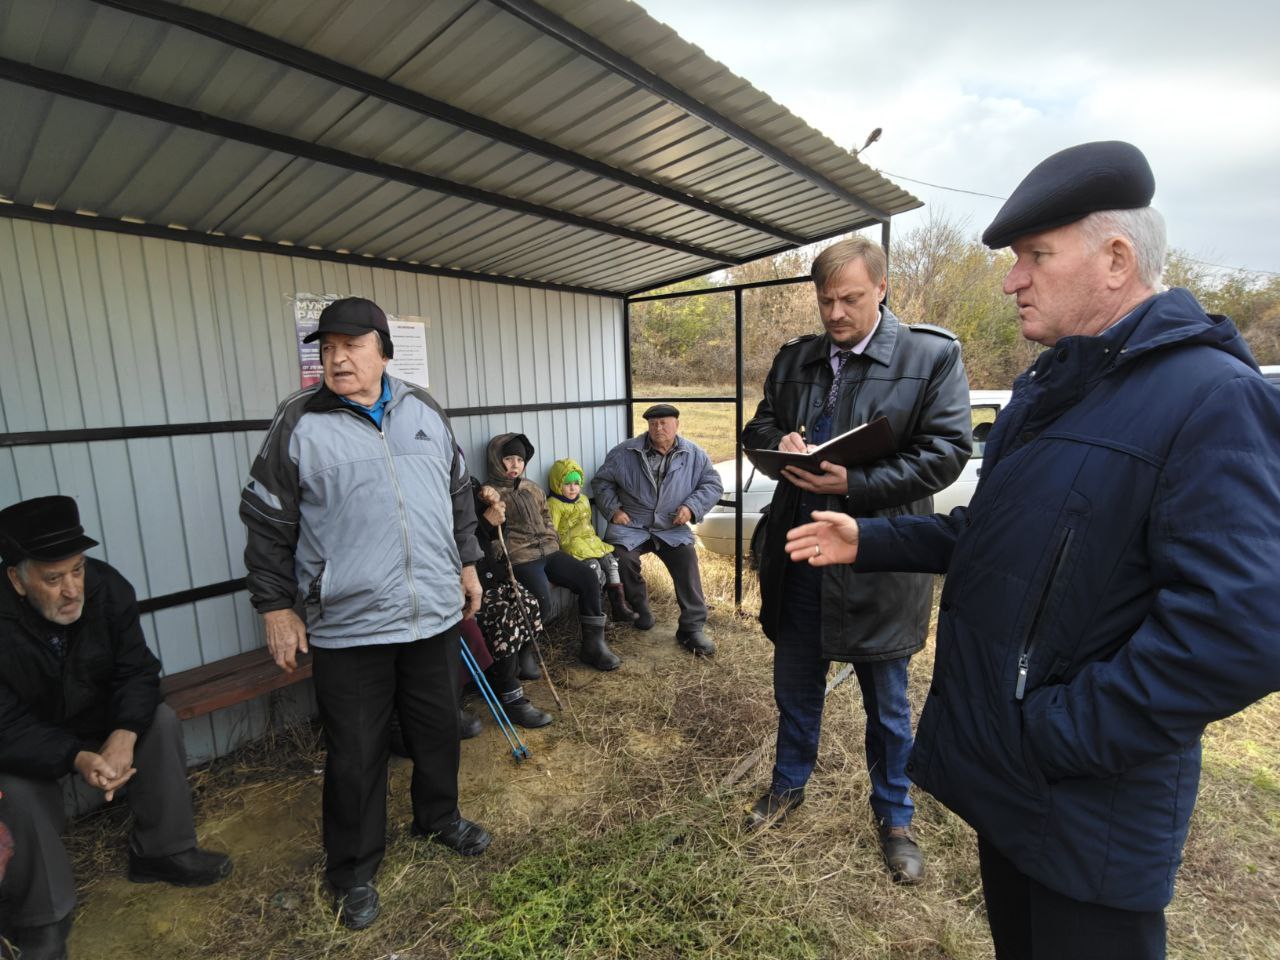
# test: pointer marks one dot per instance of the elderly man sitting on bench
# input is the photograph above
(80, 693)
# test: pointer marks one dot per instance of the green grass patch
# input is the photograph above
(653, 889)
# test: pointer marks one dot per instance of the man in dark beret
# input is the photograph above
(80, 693)
(1111, 586)
(651, 488)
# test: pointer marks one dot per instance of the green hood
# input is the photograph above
(555, 476)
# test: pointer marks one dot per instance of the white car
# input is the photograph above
(716, 529)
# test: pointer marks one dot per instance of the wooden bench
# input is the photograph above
(201, 690)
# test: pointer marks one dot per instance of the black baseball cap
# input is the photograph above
(354, 316)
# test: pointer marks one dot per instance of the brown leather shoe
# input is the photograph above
(902, 855)
(770, 810)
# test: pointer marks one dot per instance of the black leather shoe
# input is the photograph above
(45, 942)
(771, 809)
(462, 836)
(902, 855)
(525, 714)
(469, 725)
(696, 642)
(357, 906)
(190, 868)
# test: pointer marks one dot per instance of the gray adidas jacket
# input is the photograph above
(369, 528)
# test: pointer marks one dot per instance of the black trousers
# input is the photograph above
(38, 887)
(1031, 922)
(564, 571)
(682, 563)
(356, 688)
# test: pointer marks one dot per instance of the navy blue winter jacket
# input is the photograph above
(1111, 589)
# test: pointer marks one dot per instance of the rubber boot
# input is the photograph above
(644, 617)
(528, 668)
(594, 651)
(521, 712)
(619, 609)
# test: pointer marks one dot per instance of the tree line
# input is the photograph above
(937, 274)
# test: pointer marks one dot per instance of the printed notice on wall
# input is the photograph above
(408, 337)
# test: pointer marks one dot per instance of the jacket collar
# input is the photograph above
(880, 349)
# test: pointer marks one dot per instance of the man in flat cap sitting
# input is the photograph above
(651, 488)
(80, 693)
(1111, 586)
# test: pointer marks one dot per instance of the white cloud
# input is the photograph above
(973, 95)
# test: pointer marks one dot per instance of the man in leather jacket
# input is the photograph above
(80, 693)
(866, 365)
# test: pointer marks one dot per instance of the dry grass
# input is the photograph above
(617, 839)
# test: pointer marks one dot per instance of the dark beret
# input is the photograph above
(1070, 185)
(661, 410)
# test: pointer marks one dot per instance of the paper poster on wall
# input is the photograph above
(408, 335)
(306, 316)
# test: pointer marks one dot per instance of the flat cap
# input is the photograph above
(661, 410)
(1070, 185)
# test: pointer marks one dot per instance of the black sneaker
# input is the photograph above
(190, 868)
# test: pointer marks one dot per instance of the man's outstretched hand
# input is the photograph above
(831, 538)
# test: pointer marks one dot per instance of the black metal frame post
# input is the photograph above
(739, 374)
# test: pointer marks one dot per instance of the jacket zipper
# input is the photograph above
(1024, 657)
(404, 523)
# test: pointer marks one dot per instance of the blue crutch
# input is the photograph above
(518, 748)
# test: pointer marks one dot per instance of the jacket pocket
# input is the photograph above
(1050, 595)
(314, 600)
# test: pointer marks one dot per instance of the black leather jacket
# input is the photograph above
(51, 708)
(912, 375)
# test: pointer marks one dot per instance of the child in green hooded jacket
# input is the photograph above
(571, 515)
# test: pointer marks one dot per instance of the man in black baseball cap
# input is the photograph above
(80, 693)
(354, 317)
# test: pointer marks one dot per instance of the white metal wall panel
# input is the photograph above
(110, 330)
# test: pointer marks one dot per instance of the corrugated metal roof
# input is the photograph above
(574, 142)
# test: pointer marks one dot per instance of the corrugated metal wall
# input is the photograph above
(110, 330)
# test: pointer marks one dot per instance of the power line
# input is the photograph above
(992, 196)
(1223, 266)
(938, 186)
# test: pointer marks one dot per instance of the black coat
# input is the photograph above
(915, 378)
(51, 708)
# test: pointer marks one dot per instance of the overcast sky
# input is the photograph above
(972, 95)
